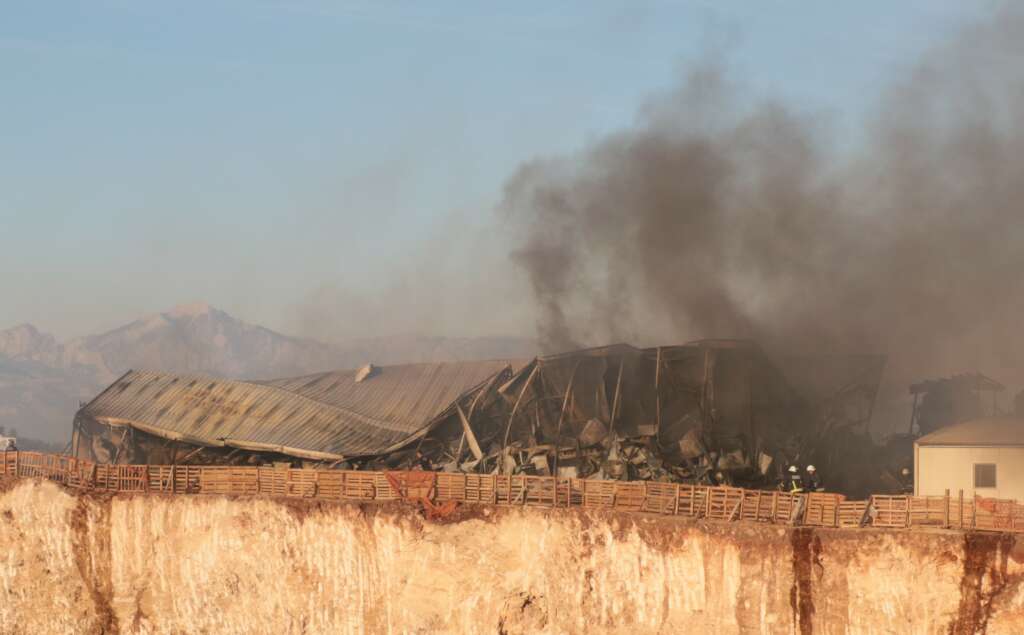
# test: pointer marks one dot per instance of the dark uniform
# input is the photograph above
(813, 482)
(793, 483)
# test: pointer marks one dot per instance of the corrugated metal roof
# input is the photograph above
(594, 351)
(979, 432)
(408, 394)
(325, 416)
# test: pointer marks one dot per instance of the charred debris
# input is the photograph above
(710, 412)
(938, 403)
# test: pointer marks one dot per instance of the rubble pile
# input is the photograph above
(709, 412)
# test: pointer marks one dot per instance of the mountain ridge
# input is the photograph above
(43, 380)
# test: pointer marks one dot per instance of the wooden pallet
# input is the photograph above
(852, 513)
(822, 509)
(660, 498)
(818, 509)
(891, 511)
(929, 511)
(629, 496)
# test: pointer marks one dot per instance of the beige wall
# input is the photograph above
(937, 469)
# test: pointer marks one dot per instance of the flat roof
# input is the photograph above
(992, 431)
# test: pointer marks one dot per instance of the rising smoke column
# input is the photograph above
(714, 218)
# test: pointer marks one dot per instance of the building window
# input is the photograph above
(984, 475)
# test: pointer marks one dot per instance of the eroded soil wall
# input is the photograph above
(189, 564)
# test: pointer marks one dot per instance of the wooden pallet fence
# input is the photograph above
(723, 503)
(509, 489)
(822, 509)
(629, 495)
(892, 512)
(575, 491)
(817, 509)
(762, 506)
(451, 486)
(852, 513)
(479, 488)
(361, 486)
(541, 491)
(231, 481)
(598, 493)
(997, 514)
(660, 498)
(928, 511)
(691, 500)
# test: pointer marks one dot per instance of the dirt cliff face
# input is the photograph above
(151, 564)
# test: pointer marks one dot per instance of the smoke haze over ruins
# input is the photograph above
(806, 183)
(716, 217)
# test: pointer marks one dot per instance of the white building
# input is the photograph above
(984, 457)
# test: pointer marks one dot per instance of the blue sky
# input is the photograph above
(332, 168)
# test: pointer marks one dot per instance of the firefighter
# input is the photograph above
(793, 483)
(906, 480)
(721, 478)
(783, 481)
(813, 480)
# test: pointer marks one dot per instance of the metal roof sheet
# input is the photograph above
(324, 416)
(408, 395)
(979, 432)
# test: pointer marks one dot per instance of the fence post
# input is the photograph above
(961, 505)
(676, 509)
(945, 512)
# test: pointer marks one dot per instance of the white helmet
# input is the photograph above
(792, 469)
(810, 468)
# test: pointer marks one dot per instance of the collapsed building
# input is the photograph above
(321, 419)
(939, 403)
(712, 411)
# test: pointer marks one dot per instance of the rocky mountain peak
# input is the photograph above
(192, 310)
(25, 341)
(42, 381)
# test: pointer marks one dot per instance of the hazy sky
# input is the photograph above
(331, 169)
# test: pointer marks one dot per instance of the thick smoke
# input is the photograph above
(712, 218)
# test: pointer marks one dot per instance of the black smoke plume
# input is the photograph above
(715, 218)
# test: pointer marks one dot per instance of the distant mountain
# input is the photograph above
(201, 338)
(42, 381)
(24, 342)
